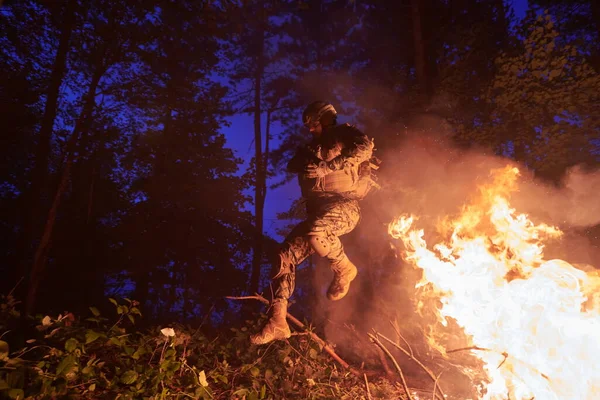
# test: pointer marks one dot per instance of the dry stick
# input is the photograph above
(504, 354)
(383, 361)
(468, 348)
(375, 340)
(328, 349)
(367, 386)
(412, 357)
(376, 350)
(397, 329)
(435, 385)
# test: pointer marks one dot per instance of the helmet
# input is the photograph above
(319, 111)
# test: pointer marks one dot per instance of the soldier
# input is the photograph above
(333, 173)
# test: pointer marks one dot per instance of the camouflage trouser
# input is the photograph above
(328, 218)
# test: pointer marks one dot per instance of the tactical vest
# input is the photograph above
(353, 182)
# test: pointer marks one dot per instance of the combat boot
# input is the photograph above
(276, 327)
(344, 273)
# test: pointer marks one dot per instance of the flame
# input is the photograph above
(533, 323)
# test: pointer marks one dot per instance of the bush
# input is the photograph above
(103, 358)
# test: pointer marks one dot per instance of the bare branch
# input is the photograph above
(427, 370)
(367, 386)
(328, 349)
(376, 340)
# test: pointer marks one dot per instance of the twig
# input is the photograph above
(427, 370)
(367, 386)
(435, 385)
(468, 348)
(15, 287)
(504, 354)
(375, 340)
(383, 361)
(397, 329)
(376, 350)
(328, 349)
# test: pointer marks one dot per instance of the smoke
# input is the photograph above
(573, 204)
(427, 176)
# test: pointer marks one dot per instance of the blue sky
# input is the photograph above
(240, 136)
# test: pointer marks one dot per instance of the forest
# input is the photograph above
(135, 256)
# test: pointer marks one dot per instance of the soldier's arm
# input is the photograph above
(357, 148)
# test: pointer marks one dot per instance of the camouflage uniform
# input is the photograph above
(331, 201)
(342, 154)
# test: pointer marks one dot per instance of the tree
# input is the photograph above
(543, 102)
(184, 234)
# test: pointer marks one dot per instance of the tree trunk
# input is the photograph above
(41, 254)
(33, 204)
(83, 232)
(503, 25)
(596, 16)
(260, 184)
(419, 49)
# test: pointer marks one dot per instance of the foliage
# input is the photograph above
(98, 357)
(542, 105)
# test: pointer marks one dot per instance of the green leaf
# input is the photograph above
(131, 318)
(66, 365)
(202, 378)
(135, 310)
(16, 394)
(129, 377)
(92, 387)
(138, 353)
(113, 301)
(170, 353)
(95, 311)
(88, 370)
(263, 391)
(268, 374)
(71, 345)
(91, 335)
(129, 350)
(254, 371)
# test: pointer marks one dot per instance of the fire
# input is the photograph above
(533, 323)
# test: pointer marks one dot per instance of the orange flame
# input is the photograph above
(538, 320)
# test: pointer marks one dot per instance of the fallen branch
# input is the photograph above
(469, 348)
(397, 329)
(376, 340)
(441, 395)
(367, 386)
(376, 350)
(328, 349)
(503, 354)
(435, 384)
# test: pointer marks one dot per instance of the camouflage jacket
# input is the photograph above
(347, 152)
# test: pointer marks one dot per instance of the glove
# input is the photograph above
(317, 171)
(337, 163)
